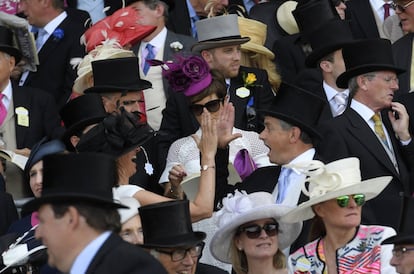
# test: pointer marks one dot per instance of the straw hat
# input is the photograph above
(285, 19)
(257, 32)
(326, 182)
(242, 208)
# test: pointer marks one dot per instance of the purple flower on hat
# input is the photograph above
(58, 34)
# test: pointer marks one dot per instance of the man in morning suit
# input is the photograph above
(373, 128)
(58, 42)
(79, 221)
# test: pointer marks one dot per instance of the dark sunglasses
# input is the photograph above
(343, 201)
(211, 106)
(399, 7)
(254, 231)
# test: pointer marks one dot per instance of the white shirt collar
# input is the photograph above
(158, 41)
(364, 111)
(331, 92)
(305, 156)
(52, 25)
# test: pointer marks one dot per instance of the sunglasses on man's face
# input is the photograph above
(211, 106)
(254, 231)
(401, 7)
(343, 201)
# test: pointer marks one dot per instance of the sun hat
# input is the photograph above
(7, 44)
(77, 177)
(242, 208)
(168, 224)
(131, 211)
(257, 32)
(218, 31)
(285, 19)
(365, 56)
(326, 182)
(405, 234)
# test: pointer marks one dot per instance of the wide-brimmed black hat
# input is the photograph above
(79, 113)
(296, 106)
(117, 75)
(77, 177)
(218, 31)
(116, 135)
(329, 37)
(365, 56)
(176, 229)
(7, 43)
(405, 233)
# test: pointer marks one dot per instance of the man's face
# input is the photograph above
(33, 10)
(338, 64)
(224, 59)
(186, 265)
(111, 101)
(146, 16)
(6, 67)
(406, 16)
(134, 101)
(403, 261)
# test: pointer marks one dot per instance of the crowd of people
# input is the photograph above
(207, 136)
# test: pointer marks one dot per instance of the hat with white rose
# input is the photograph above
(242, 208)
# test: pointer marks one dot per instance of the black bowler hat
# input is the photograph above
(365, 56)
(405, 233)
(79, 113)
(83, 177)
(117, 75)
(7, 45)
(329, 37)
(168, 224)
(296, 106)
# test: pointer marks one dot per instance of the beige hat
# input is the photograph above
(131, 211)
(257, 32)
(285, 17)
(105, 51)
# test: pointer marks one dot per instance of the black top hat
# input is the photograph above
(405, 233)
(297, 107)
(310, 14)
(329, 37)
(83, 177)
(6, 43)
(116, 135)
(117, 75)
(168, 224)
(365, 56)
(79, 113)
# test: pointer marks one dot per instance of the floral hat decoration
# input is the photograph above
(189, 75)
(242, 208)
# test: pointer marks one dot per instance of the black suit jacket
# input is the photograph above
(43, 116)
(55, 73)
(8, 213)
(348, 135)
(402, 52)
(179, 19)
(362, 19)
(118, 256)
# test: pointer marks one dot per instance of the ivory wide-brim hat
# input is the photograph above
(262, 206)
(285, 18)
(131, 211)
(257, 32)
(219, 31)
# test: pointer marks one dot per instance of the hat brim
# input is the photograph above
(200, 46)
(13, 52)
(141, 85)
(294, 121)
(317, 54)
(258, 49)
(343, 79)
(36, 203)
(371, 188)
(70, 131)
(177, 241)
(222, 239)
(400, 239)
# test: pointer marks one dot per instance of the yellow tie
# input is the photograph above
(379, 130)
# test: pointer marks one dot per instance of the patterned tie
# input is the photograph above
(386, 10)
(40, 38)
(3, 110)
(340, 100)
(282, 184)
(379, 130)
(150, 56)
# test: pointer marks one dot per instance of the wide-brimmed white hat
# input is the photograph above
(131, 211)
(242, 208)
(326, 182)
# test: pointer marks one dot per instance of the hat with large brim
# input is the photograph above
(218, 31)
(338, 178)
(285, 19)
(257, 32)
(298, 107)
(331, 36)
(365, 56)
(242, 208)
(176, 228)
(405, 234)
(79, 113)
(75, 178)
(7, 43)
(125, 76)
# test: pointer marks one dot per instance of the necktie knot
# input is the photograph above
(340, 100)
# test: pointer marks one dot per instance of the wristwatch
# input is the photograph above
(205, 167)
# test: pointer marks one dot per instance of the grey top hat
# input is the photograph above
(219, 31)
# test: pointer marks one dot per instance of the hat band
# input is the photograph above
(222, 39)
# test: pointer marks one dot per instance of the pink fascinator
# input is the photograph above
(189, 75)
(121, 27)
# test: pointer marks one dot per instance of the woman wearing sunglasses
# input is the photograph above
(339, 242)
(250, 234)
